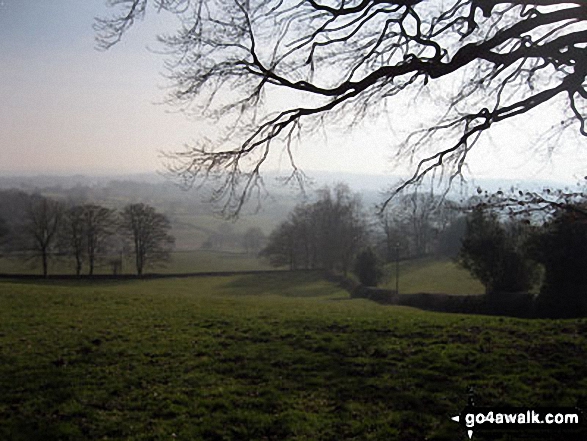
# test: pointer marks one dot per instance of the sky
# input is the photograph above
(67, 108)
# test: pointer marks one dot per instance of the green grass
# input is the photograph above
(204, 261)
(423, 275)
(278, 357)
(432, 276)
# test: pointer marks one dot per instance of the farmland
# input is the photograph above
(284, 356)
(432, 276)
(181, 262)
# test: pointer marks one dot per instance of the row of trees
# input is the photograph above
(330, 232)
(46, 229)
(419, 224)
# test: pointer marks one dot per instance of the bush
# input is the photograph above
(368, 268)
(561, 247)
(495, 257)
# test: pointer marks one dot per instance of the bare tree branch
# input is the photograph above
(341, 59)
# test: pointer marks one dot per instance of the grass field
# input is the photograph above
(181, 262)
(205, 261)
(432, 276)
(274, 357)
(423, 275)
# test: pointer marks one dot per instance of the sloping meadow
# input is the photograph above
(274, 357)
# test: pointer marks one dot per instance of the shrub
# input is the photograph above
(561, 247)
(368, 268)
(494, 256)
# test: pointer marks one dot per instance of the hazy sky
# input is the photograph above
(68, 108)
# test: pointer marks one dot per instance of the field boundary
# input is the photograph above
(520, 305)
(148, 276)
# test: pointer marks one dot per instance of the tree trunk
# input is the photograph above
(45, 263)
(139, 263)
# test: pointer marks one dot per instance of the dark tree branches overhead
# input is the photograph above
(336, 59)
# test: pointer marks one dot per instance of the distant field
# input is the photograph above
(432, 276)
(191, 231)
(181, 262)
(279, 357)
(202, 260)
(420, 275)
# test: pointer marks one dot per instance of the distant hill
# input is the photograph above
(280, 197)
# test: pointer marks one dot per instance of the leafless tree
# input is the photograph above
(419, 209)
(325, 234)
(85, 233)
(347, 59)
(148, 232)
(99, 225)
(43, 218)
(13, 208)
(72, 236)
(535, 206)
(415, 221)
(282, 247)
(345, 229)
(394, 236)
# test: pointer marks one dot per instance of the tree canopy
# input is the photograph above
(351, 58)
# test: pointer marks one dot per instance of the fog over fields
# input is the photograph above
(320, 220)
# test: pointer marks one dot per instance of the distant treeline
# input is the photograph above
(42, 229)
(510, 243)
(330, 231)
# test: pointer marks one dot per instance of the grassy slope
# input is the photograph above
(432, 276)
(274, 357)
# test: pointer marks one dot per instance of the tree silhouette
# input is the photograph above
(350, 59)
(85, 232)
(326, 234)
(73, 236)
(148, 232)
(561, 247)
(99, 225)
(368, 268)
(490, 253)
(42, 219)
(253, 240)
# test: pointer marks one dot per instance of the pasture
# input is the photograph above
(180, 262)
(432, 276)
(418, 275)
(287, 356)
